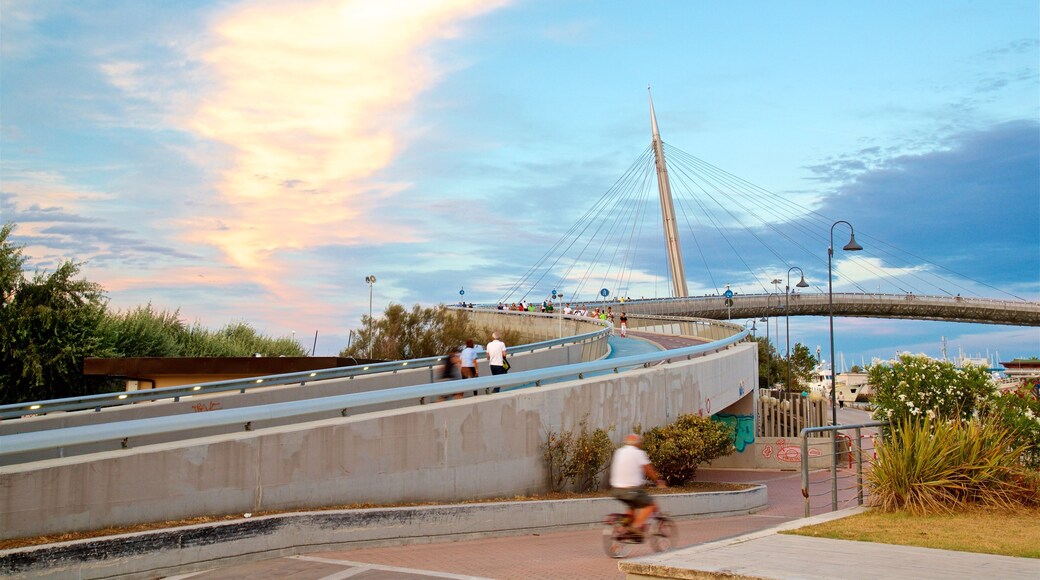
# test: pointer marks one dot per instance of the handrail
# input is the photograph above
(804, 434)
(246, 416)
(98, 401)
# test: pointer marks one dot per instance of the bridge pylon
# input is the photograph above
(671, 230)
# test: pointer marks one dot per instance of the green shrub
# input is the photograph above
(940, 466)
(1019, 411)
(678, 448)
(916, 386)
(577, 458)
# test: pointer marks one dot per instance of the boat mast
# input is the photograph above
(671, 231)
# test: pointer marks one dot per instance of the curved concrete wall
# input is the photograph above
(479, 447)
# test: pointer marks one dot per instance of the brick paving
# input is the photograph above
(573, 554)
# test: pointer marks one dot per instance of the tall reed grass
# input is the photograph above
(935, 466)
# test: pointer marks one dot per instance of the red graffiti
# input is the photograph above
(788, 454)
(211, 406)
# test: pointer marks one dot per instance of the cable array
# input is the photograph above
(742, 235)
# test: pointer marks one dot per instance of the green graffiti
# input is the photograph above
(743, 427)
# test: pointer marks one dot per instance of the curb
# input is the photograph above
(205, 546)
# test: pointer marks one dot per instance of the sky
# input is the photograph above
(256, 160)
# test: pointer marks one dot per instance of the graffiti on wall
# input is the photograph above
(788, 454)
(210, 406)
(743, 429)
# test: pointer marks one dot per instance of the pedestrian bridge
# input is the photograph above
(904, 306)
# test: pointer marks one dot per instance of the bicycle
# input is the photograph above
(662, 533)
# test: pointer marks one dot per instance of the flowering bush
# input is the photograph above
(1019, 411)
(916, 387)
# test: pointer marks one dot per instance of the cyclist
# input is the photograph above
(630, 469)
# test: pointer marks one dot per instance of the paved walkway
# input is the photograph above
(713, 547)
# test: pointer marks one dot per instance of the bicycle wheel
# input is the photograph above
(612, 544)
(664, 534)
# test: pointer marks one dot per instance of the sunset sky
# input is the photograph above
(255, 160)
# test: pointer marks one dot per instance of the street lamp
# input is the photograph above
(787, 313)
(753, 327)
(371, 280)
(852, 246)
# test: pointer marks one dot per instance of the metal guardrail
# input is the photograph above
(247, 416)
(97, 402)
(854, 451)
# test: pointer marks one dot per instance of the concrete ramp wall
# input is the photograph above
(480, 447)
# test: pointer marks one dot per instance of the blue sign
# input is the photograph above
(728, 293)
(604, 292)
(462, 292)
(554, 293)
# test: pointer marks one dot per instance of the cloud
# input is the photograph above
(309, 98)
(973, 205)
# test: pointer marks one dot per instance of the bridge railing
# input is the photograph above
(248, 418)
(97, 402)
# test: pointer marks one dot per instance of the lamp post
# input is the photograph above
(753, 327)
(787, 313)
(852, 246)
(371, 280)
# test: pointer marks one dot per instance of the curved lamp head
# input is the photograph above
(852, 246)
(802, 283)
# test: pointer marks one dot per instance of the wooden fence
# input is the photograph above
(786, 414)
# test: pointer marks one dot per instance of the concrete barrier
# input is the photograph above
(472, 448)
(220, 544)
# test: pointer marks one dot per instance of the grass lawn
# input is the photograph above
(988, 532)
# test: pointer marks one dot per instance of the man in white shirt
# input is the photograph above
(496, 353)
(629, 471)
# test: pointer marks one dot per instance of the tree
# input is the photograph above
(48, 325)
(769, 364)
(802, 365)
(417, 333)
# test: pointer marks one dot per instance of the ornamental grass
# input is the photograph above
(934, 466)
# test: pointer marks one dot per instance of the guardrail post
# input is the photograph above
(834, 469)
(859, 466)
(805, 470)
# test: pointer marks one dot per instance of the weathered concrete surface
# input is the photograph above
(190, 548)
(481, 447)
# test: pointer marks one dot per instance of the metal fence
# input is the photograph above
(851, 450)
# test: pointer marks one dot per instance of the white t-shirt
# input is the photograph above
(468, 357)
(626, 469)
(496, 350)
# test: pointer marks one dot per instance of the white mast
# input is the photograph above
(671, 231)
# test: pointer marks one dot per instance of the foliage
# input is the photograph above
(577, 458)
(1019, 411)
(936, 466)
(802, 365)
(418, 333)
(678, 448)
(48, 325)
(769, 363)
(919, 386)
